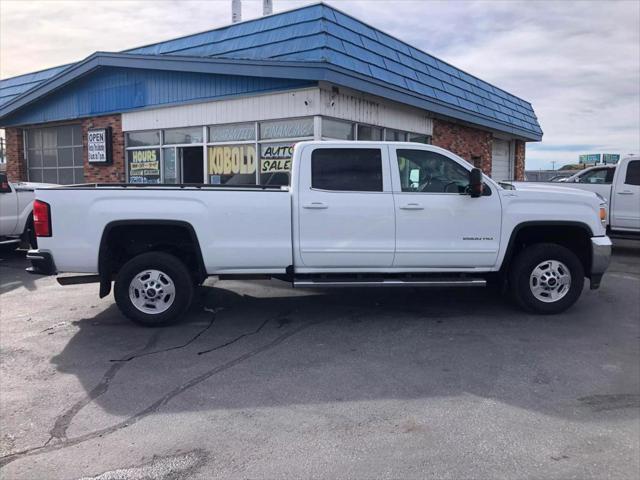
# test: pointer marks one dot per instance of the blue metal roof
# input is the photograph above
(13, 87)
(122, 89)
(352, 53)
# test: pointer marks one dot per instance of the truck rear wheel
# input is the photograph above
(546, 278)
(153, 289)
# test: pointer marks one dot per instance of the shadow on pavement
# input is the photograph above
(237, 351)
(12, 274)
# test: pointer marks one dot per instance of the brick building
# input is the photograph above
(228, 104)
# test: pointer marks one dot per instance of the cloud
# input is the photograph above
(578, 63)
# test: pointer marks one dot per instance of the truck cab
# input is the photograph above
(619, 185)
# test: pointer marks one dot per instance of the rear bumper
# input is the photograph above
(41, 263)
(600, 259)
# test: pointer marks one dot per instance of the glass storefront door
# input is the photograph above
(191, 164)
(170, 165)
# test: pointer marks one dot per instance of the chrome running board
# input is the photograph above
(454, 282)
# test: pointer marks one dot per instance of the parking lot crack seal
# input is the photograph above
(240, 337)
(175, 347)
(62, 422)
(155, 406)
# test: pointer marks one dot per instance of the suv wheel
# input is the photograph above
(546, 278)
(153, 289)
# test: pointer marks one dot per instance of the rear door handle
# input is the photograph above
(316, 205)
(625, 192)
(411, 206)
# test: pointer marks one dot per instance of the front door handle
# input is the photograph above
(625, 192)
(411, 206)
(316, 205)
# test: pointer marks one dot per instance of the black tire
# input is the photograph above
(524, 265)
(173, 268)
(29, 235)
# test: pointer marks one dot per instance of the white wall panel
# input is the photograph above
(346, 104)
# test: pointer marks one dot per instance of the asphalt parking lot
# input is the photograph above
(261, 381)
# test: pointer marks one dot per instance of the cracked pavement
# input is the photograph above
(261, 381)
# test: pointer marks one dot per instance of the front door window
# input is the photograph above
(430, 172)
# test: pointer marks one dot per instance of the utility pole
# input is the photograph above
(236, 11)
(553, 164)
(267, 7)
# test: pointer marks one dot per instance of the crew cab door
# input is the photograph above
(625, 208)
(345, 207)
(437, 223)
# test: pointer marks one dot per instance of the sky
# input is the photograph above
(578, 63)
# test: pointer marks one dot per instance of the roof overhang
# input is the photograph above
(312, 71)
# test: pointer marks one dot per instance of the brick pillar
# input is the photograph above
(114, 173)
(469, 143)
(519, 160)
(16, 165)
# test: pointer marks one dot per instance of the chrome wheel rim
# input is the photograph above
(152, 292)
(550, 281)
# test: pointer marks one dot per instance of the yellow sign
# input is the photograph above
(232, 160)
(144, 166)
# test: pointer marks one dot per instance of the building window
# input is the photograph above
(337, 129)
(54, 154)
(143, 165)
(144, 161)
(143, 139)
(247, 153)
(347, 169)
(232, 164)
(391, 135)
(275, 163)
(238, 132)
(177, 136)
(418, 138)
(231, 154)
(367, 132)
(294, 128)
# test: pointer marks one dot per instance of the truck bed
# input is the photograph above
(237, 227)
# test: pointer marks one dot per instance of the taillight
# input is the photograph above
(41, 218)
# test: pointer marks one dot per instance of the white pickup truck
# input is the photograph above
(618, 184)
(16, 219)
(355, 214)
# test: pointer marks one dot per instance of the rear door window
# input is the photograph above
(347, 169)
(633, 173)
(598, 176)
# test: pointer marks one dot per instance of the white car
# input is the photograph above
(16, 219)
(356, 214)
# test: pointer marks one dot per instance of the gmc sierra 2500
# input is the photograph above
(355, 214)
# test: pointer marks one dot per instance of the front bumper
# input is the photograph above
(600, 259)
(41, 263)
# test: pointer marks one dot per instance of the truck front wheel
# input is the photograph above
(153, 289)
(546, 278)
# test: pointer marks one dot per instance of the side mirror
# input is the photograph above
(475, 183)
